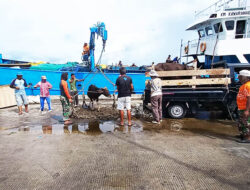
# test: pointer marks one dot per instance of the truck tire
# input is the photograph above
(177, 111)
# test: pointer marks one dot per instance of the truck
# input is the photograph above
(202, 91)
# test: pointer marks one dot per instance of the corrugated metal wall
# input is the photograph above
(7, 96)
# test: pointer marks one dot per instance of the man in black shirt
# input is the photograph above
(124, 87)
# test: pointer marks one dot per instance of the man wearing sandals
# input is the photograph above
(65, 98)
(125, 87)
(243, 102)
(19, 85)
(156, 97)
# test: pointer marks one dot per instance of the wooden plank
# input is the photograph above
(191, 82)
(195, 69)
(193, 72)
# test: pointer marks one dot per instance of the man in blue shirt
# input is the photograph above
(19, 85)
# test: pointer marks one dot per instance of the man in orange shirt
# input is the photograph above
(65, 98)
(243, 102)
(85, 52)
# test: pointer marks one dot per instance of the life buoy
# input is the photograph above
(203, 47)
(186, 49)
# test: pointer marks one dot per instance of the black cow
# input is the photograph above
(94, 93)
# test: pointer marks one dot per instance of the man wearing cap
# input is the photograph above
(156, 97)
(19, 85)
(44, 92)
(243, 102)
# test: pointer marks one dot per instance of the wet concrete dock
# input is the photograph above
(38, 152)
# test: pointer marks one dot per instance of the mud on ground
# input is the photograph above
(105, 113)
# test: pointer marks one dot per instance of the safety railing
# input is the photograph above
(222, 5)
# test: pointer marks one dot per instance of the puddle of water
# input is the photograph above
(192, 126)
(94, 127)
(239, 151)
(200, 127)
(210, 115)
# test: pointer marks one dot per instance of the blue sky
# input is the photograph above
(139, 31)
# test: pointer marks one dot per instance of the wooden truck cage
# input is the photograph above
(216, 77)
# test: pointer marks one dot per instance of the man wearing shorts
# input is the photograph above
(125, 87)
(19, 85)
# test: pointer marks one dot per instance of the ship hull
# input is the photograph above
(96, 78)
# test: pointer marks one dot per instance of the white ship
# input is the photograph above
(223, 34)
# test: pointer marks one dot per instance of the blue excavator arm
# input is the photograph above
(99, 30)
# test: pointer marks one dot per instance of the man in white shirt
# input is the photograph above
(19, 85)
(156, 96)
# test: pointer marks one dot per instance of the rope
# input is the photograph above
(230, 114)
(217, 38)
(107, 77)
(98, 62)
(97, 69)
(114, 102)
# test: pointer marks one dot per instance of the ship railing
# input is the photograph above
(222, 5)
(234, 36)
(194, 43)
(84, 63)
(238, 36)
(191, 43)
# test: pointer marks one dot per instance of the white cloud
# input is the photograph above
(139, 31)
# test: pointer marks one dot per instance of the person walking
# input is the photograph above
(125, 87)
(73, 89)
(243, 103)
(156, 97)
(44, 93)
(65, 98)
(19, 85)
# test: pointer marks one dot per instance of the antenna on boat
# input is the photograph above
(181, 50)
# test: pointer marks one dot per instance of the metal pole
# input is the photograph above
(181, 51)
(188, 51)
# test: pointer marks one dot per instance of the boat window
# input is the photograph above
(201, 33)
(230, 24)
(247, 56)
(209, 30)
(218, 27)
(240, 29)
(213, 16)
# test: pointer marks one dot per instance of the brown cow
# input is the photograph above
(171, 67)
